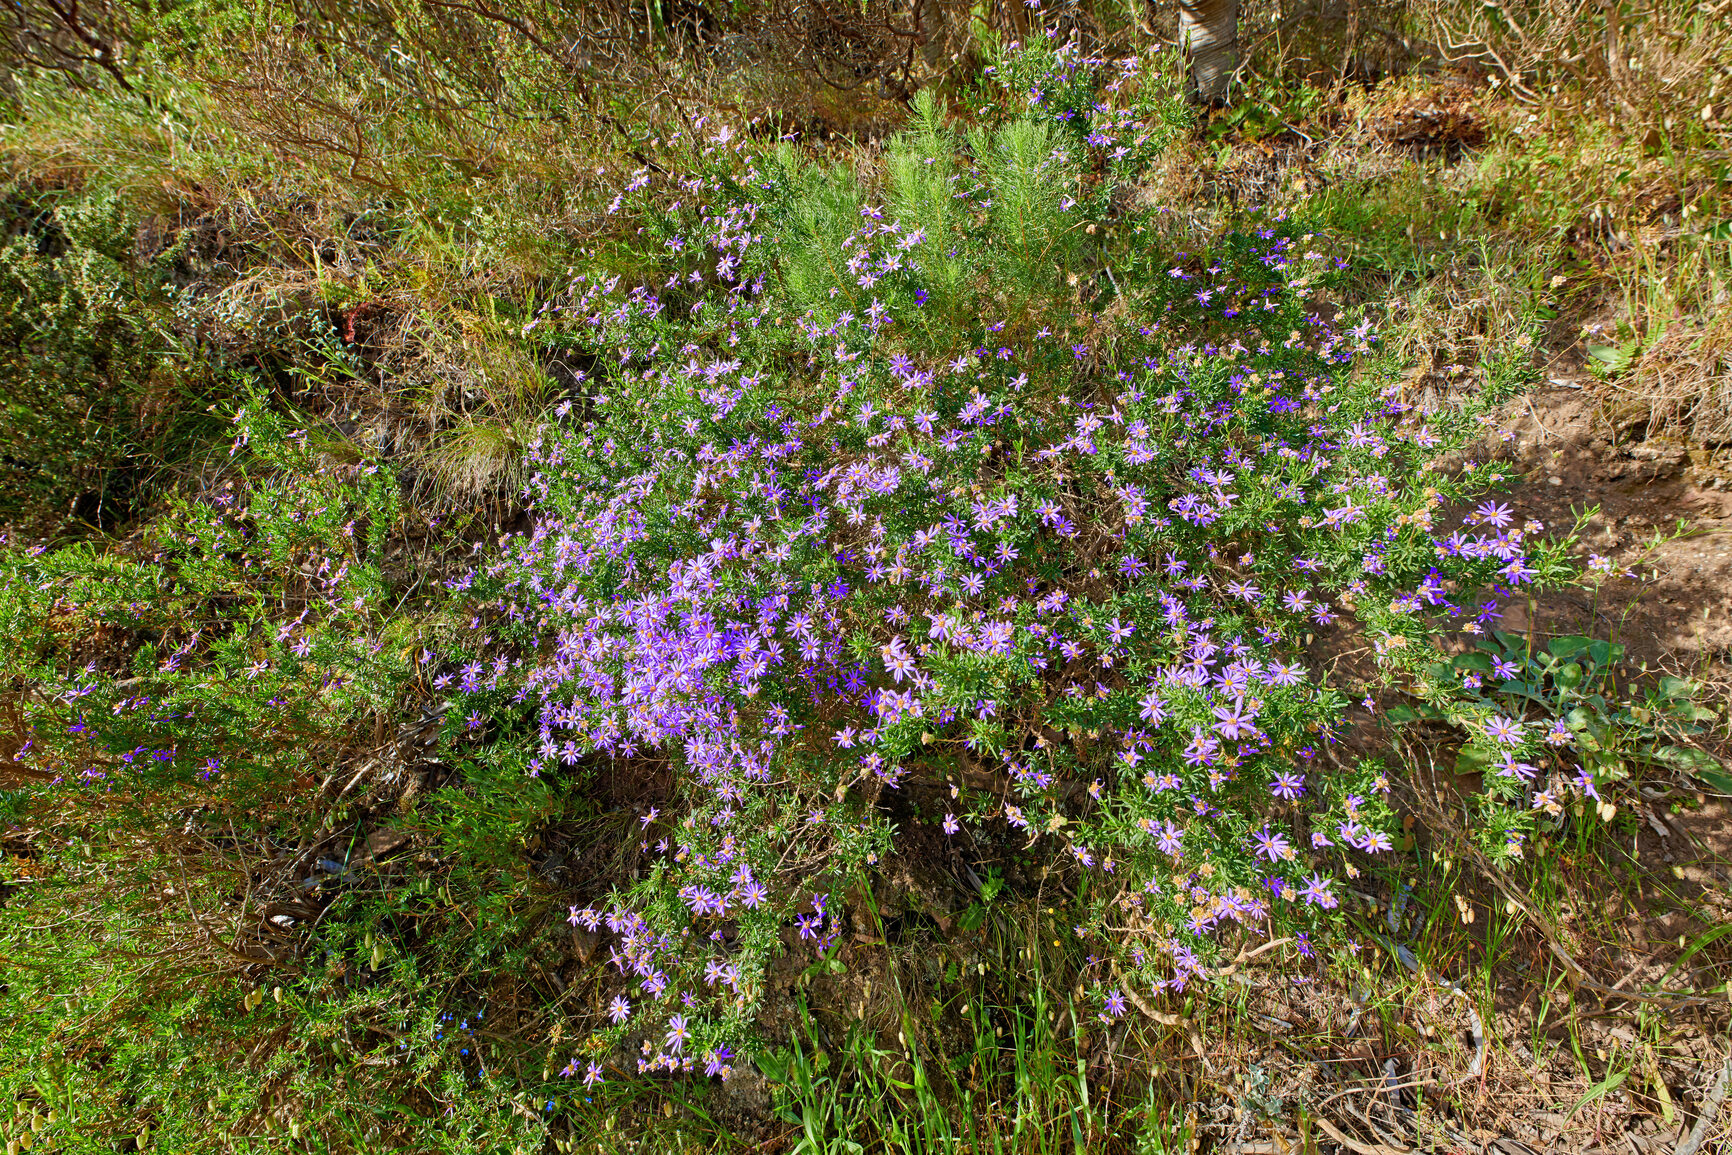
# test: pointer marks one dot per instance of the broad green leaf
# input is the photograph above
(1513, 644)
(1671, 687)
(1471, 759)
(1718, 780)
(1687, 758)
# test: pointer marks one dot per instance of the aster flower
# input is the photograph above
(678, 1034)
(1170, 840)
(1491, 513)
(1318, 891)
(1272, 846)
(1504, 730)
(1512, 767)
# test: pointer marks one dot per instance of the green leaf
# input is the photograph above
(1605, 653)
(774, 1064)
(1605, 1086)
(1401, 715)
(1567, 646)
(1568, 676)
(1513, 644)
(1522, 690)
(1718, 780)
(1615, 360)
(1472, 759)
(1688, 759)
(1707, 939)
(1671, 688)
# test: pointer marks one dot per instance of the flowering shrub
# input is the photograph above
(969, 475)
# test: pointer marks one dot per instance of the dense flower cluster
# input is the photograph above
(837, 520)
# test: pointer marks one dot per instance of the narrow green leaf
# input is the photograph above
(1604, 1087)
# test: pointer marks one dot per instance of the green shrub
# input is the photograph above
(220, 683)
(72, 357)
(1009, 504)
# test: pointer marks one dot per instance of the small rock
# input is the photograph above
(383, 841)
(746, 1092)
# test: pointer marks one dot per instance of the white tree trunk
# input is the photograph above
(1209, 36)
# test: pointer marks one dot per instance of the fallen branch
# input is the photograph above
(1710, 1108)
(1354, 1145)
(1246, 956)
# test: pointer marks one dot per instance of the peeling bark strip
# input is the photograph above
(1209, 38)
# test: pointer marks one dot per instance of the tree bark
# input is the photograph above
(1209, 37)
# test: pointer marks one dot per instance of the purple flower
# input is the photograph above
(1170, 840)
(1492, 513)
(1272, 846)
(1507, 731)
(678, 1034)
(1318, 892)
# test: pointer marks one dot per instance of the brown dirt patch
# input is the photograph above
(1659, 508)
